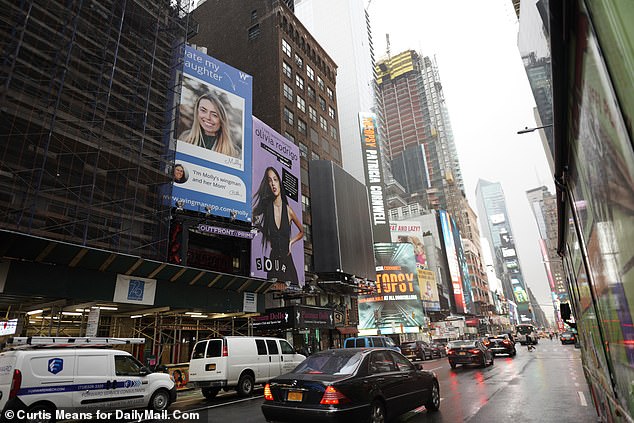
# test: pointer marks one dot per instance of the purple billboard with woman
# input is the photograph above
(277, 250)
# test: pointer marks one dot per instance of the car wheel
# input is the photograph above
(38, 411)
(160, 400)
(434, 400)
(377, 413)
(245, 385)
(210, 393)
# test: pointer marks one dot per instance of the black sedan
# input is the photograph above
(350, 385)
(500, 344)
(567, 338)
(417, 350)
(468, 352)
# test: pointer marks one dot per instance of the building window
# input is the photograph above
(322, 103)
(312, 114)
(288, 92)
(314, 155)
(298, 61)
(305, 204)
(254, 15)
(331, 113)
(320, 83)
(254, 32)
(305, 178)
(322, 123)
(301, 104)
(333, 132)
(286, 68)
(289, 136)
(331, 95)
(286, 48)
(310, 72)
(308, 263)
(301, 126)
(299, 81)
(307, 233)
(314, 136)
(303, 150)
(394, 214)
(288, 116)
(311, 92)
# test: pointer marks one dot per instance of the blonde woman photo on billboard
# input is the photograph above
(273, 217)
(211, 127)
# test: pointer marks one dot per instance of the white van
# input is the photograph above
(75, 380)
(238, 362)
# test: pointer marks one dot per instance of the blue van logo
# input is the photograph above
(55, 365)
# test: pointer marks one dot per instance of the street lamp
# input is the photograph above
(527, 129)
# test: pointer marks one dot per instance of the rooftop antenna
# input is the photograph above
(387, 47)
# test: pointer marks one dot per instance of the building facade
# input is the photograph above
(496, 227)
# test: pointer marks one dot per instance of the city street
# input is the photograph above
(546, 385)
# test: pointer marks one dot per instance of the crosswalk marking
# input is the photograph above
(582, 399)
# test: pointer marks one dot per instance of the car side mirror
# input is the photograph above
(144, 371)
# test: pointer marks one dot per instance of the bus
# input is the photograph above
(524, 329)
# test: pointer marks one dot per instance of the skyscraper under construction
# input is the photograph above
(419, 139)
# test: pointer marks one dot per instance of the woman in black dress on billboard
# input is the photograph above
(273, 216)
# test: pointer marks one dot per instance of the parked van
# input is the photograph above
(51, 378)
(239, 362)
(370, 341)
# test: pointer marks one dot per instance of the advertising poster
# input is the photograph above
(395, 305)
(212, 168)
(412, 232)
(464, 268)
(452, 261)
(374, 180)
(277, 250)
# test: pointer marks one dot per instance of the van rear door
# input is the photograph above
(7, 366)
(207, 362)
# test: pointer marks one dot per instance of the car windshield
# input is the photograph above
(461, 344)
(408, 345)
(340, 362)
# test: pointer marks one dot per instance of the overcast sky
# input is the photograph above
(488, 98)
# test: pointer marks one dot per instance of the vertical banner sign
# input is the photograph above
(374, 180)
(212, 168)
(412, 232)
(452, 261)
(464, 268)
(395, 306)
(92, 324)
(277, 250)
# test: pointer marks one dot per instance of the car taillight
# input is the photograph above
(506, 342)
(16, 383)
(333, 397)
(268, 396)
(451, 352)
(475, 351)
(225, 350)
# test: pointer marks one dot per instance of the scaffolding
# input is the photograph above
(88, 95)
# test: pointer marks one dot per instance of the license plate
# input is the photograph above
(462, 353)
(210, 367)
(294, 396)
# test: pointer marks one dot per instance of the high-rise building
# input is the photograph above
(496, 227)
(342, 28)
(294, 79)
(419, 139)
(89, 107)
(544, 206)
